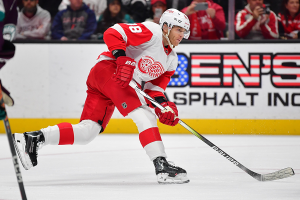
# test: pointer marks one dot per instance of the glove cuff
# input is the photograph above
(160, 100)
(118, 52)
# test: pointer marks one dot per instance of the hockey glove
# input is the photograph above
(125, 69)
(169, 115)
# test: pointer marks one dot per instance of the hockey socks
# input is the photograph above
(152, 143)
(69, 134)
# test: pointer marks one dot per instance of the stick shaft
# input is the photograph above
(278, 174)
(13, 151)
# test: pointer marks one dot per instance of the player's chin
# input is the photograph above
(176, 43)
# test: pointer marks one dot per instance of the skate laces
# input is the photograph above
(171, 163)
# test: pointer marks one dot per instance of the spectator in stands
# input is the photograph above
(157, 9)
(113, 14)
(206, 24)
(177, 4)
(256, 21)
(33, 21)
(137, 9)
(98, 6)
(289, 19)
(77, 22)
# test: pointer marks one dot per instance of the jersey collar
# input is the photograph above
(167, 49)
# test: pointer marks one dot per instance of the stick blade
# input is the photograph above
(280, 174)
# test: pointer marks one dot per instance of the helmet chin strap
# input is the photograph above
(167, 38)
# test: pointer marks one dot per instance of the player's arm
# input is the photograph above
(10, 20)
(122, 35)
(117, 38)
(155, 89)
(2, 11)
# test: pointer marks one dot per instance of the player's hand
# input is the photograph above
(125, 69)
(169, 115)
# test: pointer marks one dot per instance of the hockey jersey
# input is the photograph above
(249, 28)
(155, 64)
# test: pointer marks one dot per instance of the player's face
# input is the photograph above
(176, 35)
(254, 3)
(292, 6)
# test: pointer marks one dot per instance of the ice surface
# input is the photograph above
(116, 167)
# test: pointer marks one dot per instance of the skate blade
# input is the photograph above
(163, 178)
(19, 143)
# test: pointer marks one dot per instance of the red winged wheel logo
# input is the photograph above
(147, 65)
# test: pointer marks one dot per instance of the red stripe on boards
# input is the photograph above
(149, 135)
(66, 133)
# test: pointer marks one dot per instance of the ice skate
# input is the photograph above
(27, 145)
(167, 173)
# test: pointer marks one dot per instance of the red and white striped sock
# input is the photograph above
(152, 143)
(68, 134)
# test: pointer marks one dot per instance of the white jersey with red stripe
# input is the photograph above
(155, 64)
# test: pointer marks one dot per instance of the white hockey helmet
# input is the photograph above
(173, 17)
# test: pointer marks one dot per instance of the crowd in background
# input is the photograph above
(88, 19)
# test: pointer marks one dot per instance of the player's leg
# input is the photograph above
(95, 116)
(152, 143)
(97, 111)
(131, 103)
(29, 143)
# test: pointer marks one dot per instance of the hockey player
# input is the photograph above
(141, 52)
(8, 21)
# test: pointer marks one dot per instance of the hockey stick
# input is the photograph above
(13, 151)
(280, 174)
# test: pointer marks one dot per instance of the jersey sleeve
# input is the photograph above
(156, 88)
(123, 35)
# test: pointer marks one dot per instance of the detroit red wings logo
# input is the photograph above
(147, 65)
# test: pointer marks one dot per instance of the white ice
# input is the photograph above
(114, 166)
